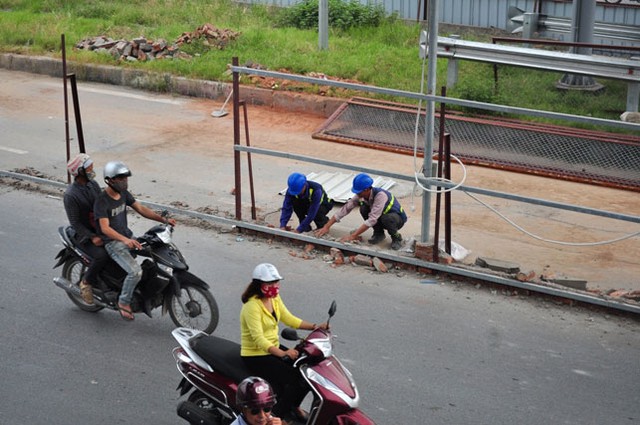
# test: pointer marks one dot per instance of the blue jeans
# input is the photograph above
(121, 255)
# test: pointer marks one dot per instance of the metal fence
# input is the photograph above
(494, 13)
(607, 159)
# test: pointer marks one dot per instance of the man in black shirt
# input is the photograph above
(78, 204)
(111, 214)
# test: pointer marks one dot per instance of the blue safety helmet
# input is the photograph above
(296, 183)
(361, 182)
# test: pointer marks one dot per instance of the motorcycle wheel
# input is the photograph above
(613, 1)
(195, 308)
(205, 403)
(73, 270)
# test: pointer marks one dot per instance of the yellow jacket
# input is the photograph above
(258, 327)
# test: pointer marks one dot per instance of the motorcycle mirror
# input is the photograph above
(290, 334)
(332, 309)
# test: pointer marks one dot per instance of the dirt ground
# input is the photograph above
(183, 156)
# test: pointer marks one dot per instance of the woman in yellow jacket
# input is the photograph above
(261, 350)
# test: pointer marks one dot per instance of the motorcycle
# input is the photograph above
(166, 281)
(212, 369)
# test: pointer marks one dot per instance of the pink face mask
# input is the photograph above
(270, 290)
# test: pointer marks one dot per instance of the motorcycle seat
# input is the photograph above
(222, 355)
(68, 235)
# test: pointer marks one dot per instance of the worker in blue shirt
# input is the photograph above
(308, 200)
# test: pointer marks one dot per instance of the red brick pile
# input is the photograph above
(143, 49)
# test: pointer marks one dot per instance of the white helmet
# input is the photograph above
(266, 272)
(77, 163)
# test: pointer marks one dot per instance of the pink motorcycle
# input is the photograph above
(212, 368)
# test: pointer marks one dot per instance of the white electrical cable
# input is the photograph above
(417, 173)
(540, 238)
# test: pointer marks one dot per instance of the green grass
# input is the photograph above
(384, 56)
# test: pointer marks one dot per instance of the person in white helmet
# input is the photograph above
(111, 214)
(78, 204)
(261, 350)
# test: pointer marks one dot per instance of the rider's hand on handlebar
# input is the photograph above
(324, 326)
(291, 353)
(133, 244)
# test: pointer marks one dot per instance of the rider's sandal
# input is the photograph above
(125, 312)
(86, 293)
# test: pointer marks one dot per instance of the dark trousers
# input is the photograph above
(301, 209)
(284, 378)
(391, 221)
(99, 259)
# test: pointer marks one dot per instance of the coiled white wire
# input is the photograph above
(418, 173)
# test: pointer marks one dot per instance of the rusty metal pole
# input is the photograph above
(447, 196)
(246, 132)
(236, 140)
(436, 233)
(66, 102)
(76, 110)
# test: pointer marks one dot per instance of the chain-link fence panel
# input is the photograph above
(606, 159)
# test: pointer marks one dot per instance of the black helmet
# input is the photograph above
(115, 169)
(254, 393)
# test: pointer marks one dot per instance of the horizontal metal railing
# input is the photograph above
(548, 60)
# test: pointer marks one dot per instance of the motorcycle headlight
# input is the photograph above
(322, 344)
(165, 235)
(165, 269)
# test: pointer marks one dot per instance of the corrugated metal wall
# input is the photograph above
(489, 13)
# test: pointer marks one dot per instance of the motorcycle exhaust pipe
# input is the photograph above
(75, 290)
(67, 286)
(194, 415)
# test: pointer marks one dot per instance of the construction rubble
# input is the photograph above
(144, 49)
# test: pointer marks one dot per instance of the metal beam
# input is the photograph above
(597, 66)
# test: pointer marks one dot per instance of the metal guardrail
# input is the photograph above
(518, 20)
(597, 66)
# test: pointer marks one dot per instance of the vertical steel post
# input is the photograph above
(76, 111)
(430, 118)
(323, 24)
(251, 189)
(66, 102)
(236, 139)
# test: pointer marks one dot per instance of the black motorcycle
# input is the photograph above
(166, 281)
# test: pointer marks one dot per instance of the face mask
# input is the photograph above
(90, 175)
(270, 291)
(119, 186)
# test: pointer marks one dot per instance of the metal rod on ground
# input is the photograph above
(236, 140)
(66, 102)
(246, 132)
(221, 112)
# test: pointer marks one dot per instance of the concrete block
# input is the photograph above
(570, 282)
(498, 265)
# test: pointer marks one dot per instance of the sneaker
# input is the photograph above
(396, 241)
(376, 238)
(86, 292)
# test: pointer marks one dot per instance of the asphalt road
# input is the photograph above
(421, 351)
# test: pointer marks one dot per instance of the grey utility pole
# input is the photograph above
(323, 24)
(432, 63)
(582, 25)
